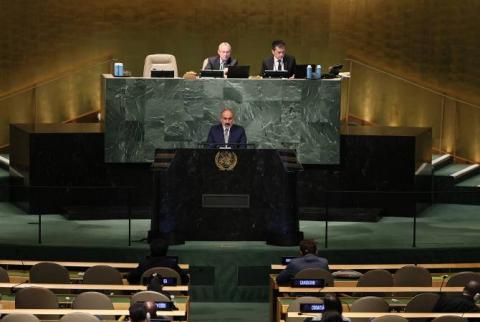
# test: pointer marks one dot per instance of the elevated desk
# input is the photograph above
(143, 114)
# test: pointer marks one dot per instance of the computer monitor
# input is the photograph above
(238, 71)
(162, 73)
(275, 74)
(211, 73)
(301, 70)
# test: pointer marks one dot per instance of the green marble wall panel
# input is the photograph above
(145, 114)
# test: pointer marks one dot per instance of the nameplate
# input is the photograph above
(225, 201)
(312, 307)
(287, 259)
(308, 282)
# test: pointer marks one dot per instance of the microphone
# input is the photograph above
(444, 277)
(14, 287)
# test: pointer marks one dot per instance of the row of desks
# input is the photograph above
(92, 287)
(363, 267)
(117, 265)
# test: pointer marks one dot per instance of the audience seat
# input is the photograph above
(412, 276)
(163, 271)
(390, 318)
(20, 317)
(148, 296)
(93, 301)
(424, 302)
(369, 304)
(37, 298)
(462, 278)
(375, 278)
(316, 273)
(102, 274)
(4, 278)
(450, 318)
(79, 317)
(47, 272)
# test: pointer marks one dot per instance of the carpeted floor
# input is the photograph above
(442, 225)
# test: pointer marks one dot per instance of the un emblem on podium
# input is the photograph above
(226, 160)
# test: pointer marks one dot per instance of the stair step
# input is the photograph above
(468, 171)
(473, 182)
(441, 160)
(450, 169)
(4, 161)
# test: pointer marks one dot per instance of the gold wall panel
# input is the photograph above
(467, 144)
(432, 42)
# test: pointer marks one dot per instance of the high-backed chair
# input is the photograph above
(295, 306)
(4, 278)
(20, 317)
(412, 276)
(424, 302)
(163, 271)
(375, 278)
(160, 62)
(390, 318)
(79, 317)
(368, 304)
(148, 296)
(450, 318)
(37, 298)
(47, 272)
(462, 278)
(102, 274)
(93, 301)
(316, 273)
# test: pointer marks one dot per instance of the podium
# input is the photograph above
(225, 194)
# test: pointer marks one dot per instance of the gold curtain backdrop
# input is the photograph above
(433, 43)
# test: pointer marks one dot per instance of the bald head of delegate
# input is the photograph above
(471, 289)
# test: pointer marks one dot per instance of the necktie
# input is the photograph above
(221, 65)
(280, 67)
(226, 134)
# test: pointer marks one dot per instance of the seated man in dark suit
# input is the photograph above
(279, 60)
(460, 303)
(222, 60)
(158, 258)
(226, 133)
(309, 259)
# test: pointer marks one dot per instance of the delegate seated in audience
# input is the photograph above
(462, 303)
(137, 312)
(309, 259)
(157, 258)
(333, 310)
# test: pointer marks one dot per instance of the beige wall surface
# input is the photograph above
(431, 42)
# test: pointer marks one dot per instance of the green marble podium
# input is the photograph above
(142, 114)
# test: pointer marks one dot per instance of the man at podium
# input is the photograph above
(227, 134)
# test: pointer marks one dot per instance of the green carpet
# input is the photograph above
(221, 311)
(441, 225)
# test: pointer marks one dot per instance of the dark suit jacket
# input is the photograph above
(300, 263)
(456, 303)
(237, 135)
(214, 63)
(149, 262)
(288, 61)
